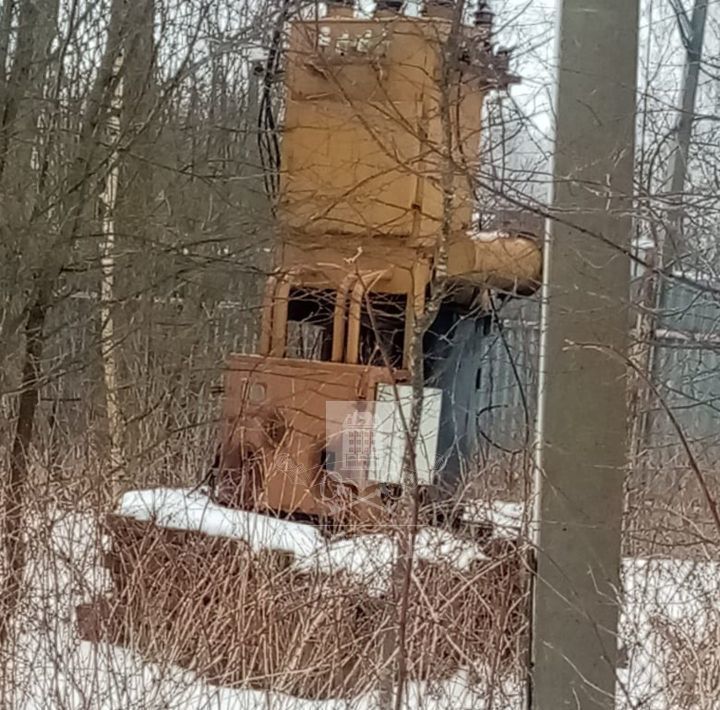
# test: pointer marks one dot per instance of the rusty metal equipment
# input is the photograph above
(374, 217)
(367, 241)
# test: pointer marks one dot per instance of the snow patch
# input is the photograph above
(370, 558)
(367, 558)
(183, 509)
(54, 669)
(684, 592)
(438, 546)
(505, 517)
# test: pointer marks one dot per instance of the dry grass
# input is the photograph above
(249, 620)
(689, 655)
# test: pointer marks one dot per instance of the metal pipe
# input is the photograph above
(353, 338)
(505, 261)
(338, 342)
(280, 313)
(267, 315)
(365, 283)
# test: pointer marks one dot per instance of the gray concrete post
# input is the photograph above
(583, 412)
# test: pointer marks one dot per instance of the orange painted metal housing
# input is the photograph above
(364, 139)
(362, 222)
(274, 443)
(364, 160)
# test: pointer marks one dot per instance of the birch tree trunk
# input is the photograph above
(108, 201)
(71, 203)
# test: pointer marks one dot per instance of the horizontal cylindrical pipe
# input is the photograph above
(340, 8)
(444, 9)
(500, 260)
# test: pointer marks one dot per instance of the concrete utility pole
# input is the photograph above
(582, 422)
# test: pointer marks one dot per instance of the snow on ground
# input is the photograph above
(185, 509)
(367, 558)
(683, 592)
(56, 671)
(506, 518)
(370, 558)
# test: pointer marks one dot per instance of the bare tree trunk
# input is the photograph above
(16, 85)
(108, 200)
(14, 494)
(39, 304)
(36, 28)
(422, 319)
(6, 13)
(669, 239)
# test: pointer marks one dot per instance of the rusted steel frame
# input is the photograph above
(267, 315)
(352, 353)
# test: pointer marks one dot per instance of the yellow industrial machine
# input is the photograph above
(375, 231)
(379, 155)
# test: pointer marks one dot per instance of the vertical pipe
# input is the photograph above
(280, 314)
(352, 353)
(338, 336)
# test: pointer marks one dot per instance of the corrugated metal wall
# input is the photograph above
(509, 381)
(174, 346)
(686, 373)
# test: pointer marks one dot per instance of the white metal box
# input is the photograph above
(392, 417)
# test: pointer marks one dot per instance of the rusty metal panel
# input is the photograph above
(349, 174)
(274, 425)
(363, 131)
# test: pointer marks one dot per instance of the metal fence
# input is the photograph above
(171, 359)
(686, 373)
